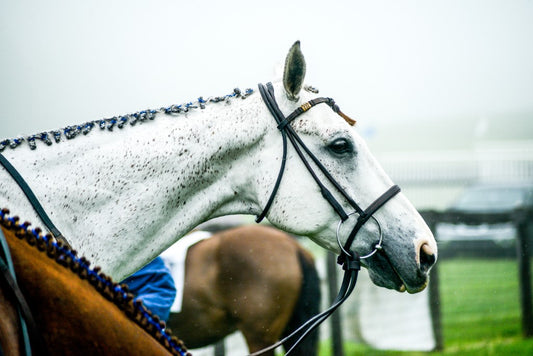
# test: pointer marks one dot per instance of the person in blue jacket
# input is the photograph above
(154, 285)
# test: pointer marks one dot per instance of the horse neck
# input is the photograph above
(112, 194)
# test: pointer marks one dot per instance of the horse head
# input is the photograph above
(143, 180)
(397, 246)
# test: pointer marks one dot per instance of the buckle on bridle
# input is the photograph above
(305, 106)
(351, 262)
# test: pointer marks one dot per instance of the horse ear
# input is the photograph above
(294, 73)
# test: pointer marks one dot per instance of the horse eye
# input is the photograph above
(340, 146)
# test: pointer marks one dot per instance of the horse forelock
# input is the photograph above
(118, 294)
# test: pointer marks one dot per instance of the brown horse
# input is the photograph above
(255, 279)
(77, 310)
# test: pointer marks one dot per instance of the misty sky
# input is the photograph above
(67, 62)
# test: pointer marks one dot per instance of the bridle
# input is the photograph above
(349, 259)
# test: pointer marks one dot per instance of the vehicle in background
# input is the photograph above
(484, 239)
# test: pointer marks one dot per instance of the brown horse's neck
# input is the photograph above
(71, 302)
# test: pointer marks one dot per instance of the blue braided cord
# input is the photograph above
(73, 131)
(162, 331)
(116, 287)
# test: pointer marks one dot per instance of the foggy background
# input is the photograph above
(428, 81)
(442, 90)
(67, 62)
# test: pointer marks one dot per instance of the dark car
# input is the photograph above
(485, 239)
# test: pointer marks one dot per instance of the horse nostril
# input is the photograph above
(427, 258)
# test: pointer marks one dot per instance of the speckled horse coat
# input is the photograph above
(122, 197)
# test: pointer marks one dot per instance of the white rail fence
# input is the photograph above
(433, 179)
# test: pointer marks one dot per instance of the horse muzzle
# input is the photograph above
(403, 273)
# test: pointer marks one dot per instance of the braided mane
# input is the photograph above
(120, 121)
(112, 291)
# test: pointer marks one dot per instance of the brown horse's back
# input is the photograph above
(248, 278)
(73, 317)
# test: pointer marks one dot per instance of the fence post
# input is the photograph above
(522, 219)
(220, 350)
(335, 319)
(431, 218)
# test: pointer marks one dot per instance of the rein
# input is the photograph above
(71, 132)
(30, 332)
(350, 260)
(33, 200)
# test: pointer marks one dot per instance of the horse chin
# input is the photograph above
(383, 274)
(389, 281)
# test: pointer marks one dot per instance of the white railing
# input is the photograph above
(433, 179)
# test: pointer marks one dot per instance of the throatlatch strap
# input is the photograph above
(267, 93)
(278, 116)
(33, 200)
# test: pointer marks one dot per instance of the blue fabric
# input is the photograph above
(154, 285)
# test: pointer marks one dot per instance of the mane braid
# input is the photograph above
(118, 294)
(69, 132)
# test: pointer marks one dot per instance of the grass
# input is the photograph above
(511, 346)
(480, 311)
(480, 300)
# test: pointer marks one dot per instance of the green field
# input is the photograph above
(480, 311)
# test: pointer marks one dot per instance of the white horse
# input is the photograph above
(130, 186)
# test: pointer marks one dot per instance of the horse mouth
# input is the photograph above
(384, 274)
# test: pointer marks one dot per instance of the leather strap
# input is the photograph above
(367, 214)
(28, 324)
(267, 93)
(274, 109)
(33, 200)
(350, 260)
